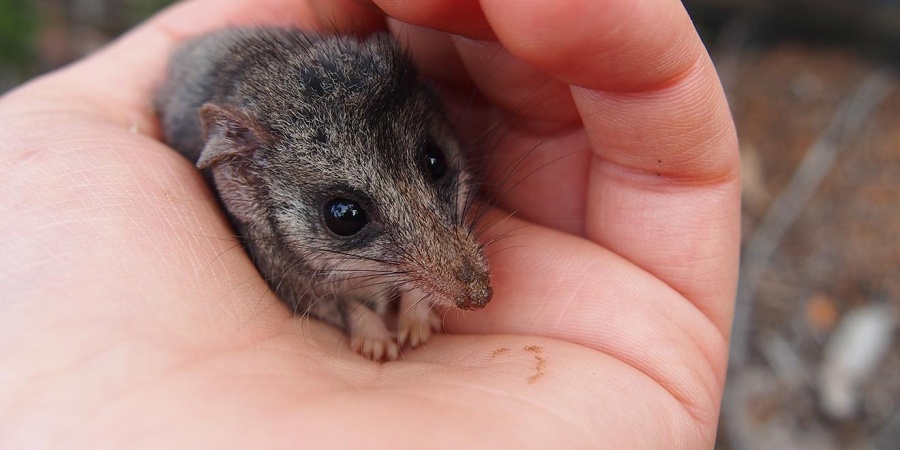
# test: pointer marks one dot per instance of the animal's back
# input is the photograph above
(214, 68)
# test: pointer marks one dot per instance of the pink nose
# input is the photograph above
(477, 298)
(478, 289)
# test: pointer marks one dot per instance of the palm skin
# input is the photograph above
(131, 319)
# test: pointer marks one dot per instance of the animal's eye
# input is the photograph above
(434, 163)
(344, 217)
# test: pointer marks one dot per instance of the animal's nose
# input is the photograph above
(478, 290)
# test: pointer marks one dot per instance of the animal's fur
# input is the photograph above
(282, 121)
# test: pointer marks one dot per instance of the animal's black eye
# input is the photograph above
(344, 217)
(434, 163)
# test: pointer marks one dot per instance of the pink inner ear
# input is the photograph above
(229, 134)
(237, 133)
(228, 121)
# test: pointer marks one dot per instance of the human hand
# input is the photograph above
(130, 317)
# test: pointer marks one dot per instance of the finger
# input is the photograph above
(617, 55)
(534, 155)
(517, 87)
(348, 16)
(463, 17)
(635, 45)
(664, 185)
(539, 176)
(435, 55)
(686, 234)
(663, 189)
(632, 46)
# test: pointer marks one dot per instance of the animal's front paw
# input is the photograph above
(370, 338)
(376, 348)
(417, 322)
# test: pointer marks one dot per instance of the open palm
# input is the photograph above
(130, 318)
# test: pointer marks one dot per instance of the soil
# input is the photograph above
(841, 254)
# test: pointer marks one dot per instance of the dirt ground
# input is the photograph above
(814, 365)
(830, 249)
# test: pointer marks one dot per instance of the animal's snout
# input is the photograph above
(478, 290)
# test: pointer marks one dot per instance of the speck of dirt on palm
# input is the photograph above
(539, 366)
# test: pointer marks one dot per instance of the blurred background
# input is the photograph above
(814, 88)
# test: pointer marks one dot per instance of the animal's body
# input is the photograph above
(338, 169)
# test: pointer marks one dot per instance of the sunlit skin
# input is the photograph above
(130, 318)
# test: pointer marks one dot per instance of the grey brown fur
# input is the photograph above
(281, 121)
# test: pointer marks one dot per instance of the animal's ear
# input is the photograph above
(229, 134)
